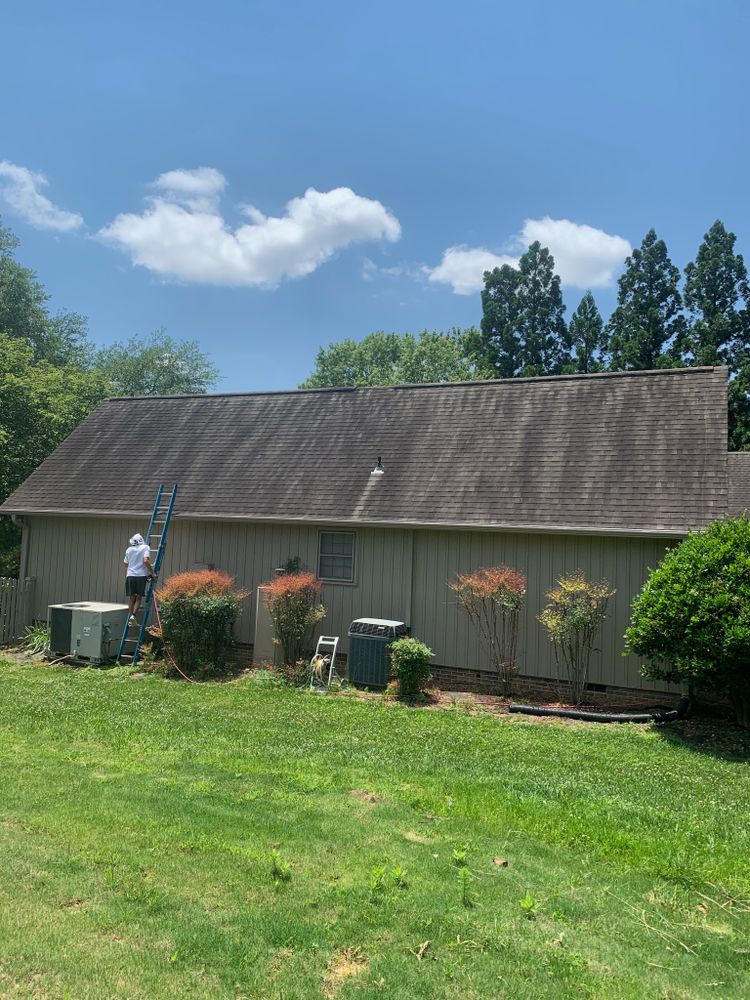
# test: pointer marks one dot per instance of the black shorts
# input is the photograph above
(135, 586)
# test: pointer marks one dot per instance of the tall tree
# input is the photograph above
(717, 297)
(156, 366)
(395, 359)
(523, 327)
(59, 339)
(648, 313)
(40, 404)
(588, 339)
(541, 323)
(500, 345)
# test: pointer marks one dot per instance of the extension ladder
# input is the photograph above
(156, 539)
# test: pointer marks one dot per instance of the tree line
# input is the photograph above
(52, 375)
(662, 320)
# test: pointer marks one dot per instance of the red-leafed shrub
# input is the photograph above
(492, 597)
(293, 602)
(198, 610)
(213, 582)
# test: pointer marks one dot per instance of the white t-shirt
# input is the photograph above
(134, 556)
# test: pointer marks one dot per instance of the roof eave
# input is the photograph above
(516, 528)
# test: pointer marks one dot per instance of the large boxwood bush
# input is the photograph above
(691, 621)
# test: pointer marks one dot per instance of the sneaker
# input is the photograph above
(132, 620)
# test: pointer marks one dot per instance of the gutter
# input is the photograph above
(546, 529)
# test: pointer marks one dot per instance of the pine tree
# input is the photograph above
(500, 347)
(587, 337)
(523, 327)
(541, 326)
(648, 313)
(716, 296)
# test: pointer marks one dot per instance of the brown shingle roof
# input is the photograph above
(738, 483)
(628, 452)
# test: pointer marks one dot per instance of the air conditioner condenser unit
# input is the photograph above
(87, 630)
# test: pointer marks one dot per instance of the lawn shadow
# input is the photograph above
(716, 737)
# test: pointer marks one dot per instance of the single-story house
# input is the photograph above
(594, 472)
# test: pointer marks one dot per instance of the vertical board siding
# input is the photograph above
(400, 573)
(438, 555)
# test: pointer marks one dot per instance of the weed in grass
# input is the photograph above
(281, 871)
(530, 906)
(468, 896)
(399, 877)
(459, 855)
(378, 880)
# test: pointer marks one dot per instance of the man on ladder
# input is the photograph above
(142, 573)
(139, 569)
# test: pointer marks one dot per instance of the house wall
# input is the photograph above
(400, 574)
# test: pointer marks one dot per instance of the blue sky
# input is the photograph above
(415, 142)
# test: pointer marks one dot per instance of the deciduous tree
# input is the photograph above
(156, 366)
(395, 359)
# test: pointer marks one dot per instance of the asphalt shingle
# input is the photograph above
(638, 451)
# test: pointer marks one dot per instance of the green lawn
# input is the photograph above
(167, 840)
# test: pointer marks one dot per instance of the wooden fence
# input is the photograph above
(15, 602)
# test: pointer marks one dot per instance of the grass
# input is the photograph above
(238, 840)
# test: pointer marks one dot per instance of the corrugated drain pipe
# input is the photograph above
(572, 713)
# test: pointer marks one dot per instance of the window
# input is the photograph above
(336, 556)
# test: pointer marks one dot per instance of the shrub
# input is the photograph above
(198, 611)
(691, 620)
(410, 665)
(492, 598)
(573, 616)
(293, 602)
(211, 582)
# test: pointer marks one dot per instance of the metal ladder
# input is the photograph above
(156, 539)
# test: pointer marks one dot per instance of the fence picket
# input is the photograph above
(14, 604)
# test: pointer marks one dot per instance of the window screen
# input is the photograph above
(336, 556)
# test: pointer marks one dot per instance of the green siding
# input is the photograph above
(400, 574)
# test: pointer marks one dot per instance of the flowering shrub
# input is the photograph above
(410, 665)
(293, 602)
(691, 621)
(492, 597)
(576, 610)
(198, 611)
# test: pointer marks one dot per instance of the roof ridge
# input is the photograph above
(472, 383)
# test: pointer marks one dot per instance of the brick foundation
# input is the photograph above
(543, 689)
(540, 688)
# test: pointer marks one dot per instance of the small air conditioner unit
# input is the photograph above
(86, 630)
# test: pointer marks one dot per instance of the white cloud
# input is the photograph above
(463, 267)
(20, 188)
(182, 234)
(585, 257)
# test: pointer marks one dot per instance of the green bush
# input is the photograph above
(691, 620)
(198, 612)
(410, 666)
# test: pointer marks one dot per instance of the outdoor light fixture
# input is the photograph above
(378, 470)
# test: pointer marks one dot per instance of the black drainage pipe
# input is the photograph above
(574, 713)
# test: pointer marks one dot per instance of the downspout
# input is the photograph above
(572, 713)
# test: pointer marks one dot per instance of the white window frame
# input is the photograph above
(327, 579)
